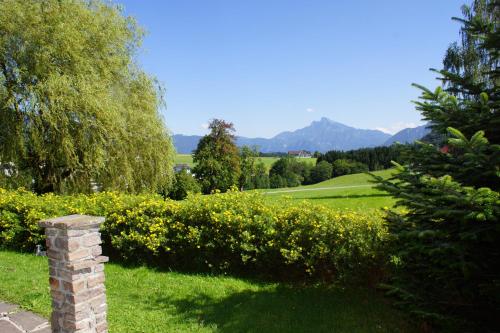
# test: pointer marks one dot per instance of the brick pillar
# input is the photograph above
(76, 270)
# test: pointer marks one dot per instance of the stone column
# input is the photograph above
(76, 270)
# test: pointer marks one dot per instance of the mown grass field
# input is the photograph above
(184, 159)
(350, 191)
(144, 300)
(268, 161)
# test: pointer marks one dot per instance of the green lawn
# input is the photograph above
(268, 161)
(350, 191)
(144, 300)
(184, 159)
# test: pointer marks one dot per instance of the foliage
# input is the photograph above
(261, 179)
(217, 162)
(292, 172)
(266, 160)
(446, 246)
(470, 68)
(289, 172)
(21, 210)
(247, 166)
(276, 181)
(347, 167)
(184, 183)
(231, 232)
(322, 171)
(75, 109)
(11, 177)
(376, 158)
(253, 171)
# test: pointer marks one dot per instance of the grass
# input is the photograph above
(350, 192)
(144, 300)
(268, 161)
(184, 159)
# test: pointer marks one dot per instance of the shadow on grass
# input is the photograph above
(353, 196)
(285, 309)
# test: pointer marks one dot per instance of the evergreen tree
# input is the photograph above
(217, 161)
(446, 240)
(470, 68)
(376, 158)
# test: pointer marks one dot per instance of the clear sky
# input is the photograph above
(275, 65)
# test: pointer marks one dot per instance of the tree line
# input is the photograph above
(377, 158)
(220, 165)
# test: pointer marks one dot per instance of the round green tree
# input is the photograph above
(76, 112)
(217, 158)
(346, 167)
(183, 184)
(322, 171)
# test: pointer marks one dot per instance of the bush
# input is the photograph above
(233, 232)
(184, 183)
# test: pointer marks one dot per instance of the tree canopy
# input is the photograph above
(253, 171)
(289, 172)
(183, 184)
(217, 161)
(75, 108)
(322, 171)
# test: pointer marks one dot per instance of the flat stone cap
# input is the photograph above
(72, 222)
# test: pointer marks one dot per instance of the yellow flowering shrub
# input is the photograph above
(230, 232)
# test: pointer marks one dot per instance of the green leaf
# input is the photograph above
(456, 133)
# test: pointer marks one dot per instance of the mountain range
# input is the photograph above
(409, 135)
(322, 135)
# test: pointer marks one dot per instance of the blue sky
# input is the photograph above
(275, 65)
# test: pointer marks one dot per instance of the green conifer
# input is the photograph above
(446, 244)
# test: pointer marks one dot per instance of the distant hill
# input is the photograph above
(409, 135)
(325, 135)
(322, 135)
(185, 144)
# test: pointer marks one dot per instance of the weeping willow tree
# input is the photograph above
(75, 108)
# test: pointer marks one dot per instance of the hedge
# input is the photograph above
(232, 232)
